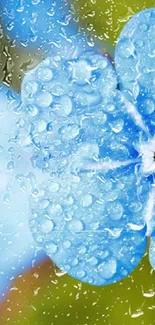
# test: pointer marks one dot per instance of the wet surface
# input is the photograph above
(45, 295)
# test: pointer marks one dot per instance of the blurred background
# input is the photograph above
(44, 295)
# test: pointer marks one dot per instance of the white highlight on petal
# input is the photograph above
(150, 211)
(132, 110)
(147, 151)
(108, 165)
(135, 227)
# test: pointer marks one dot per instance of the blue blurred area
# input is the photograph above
(18, 252)
(43, 24)
(34, 22)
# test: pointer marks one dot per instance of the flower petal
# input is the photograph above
(135, 64)
(149, 216)
(91, 225)
(152, 252)
(18, 251)
(82, 120)
(74, 102)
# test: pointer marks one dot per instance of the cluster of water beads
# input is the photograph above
(79, 205)
(43, 25)
(24, 20)
(62, 107)
(134, 61)
(88, 225)
(135, 64)
(75, 125)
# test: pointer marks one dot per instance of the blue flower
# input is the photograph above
(135, 66)
(94, 214)
(85, 153)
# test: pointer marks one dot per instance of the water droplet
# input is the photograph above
(30, 88)
(86, 200)
(92, 261)
(112, 195)
(74, 262)
(76, 225)
(126, 48)
(147, 107)
(143, 27)
(55, 209)
(6, 198)
(69, 132)
(53, 187)
(117, 126)
(89, 150)
(47, 226)
(43, 99)
(32, 110)
(69, 200)
(99, 118)
(41, 125)
(51, 248)
(67, 267)
(108, 108)
(43, 204)
(32, 223)
(81, 273)
(115, 210)
(81, 72)
(24, 140)
(20, 123)
(51, 12)
(135, 207)
(64, 107)
(82, 249)
(49, 128)
(39, 239)
(34, 230)
(10, 165)
(44, 74)
(114, 232)
(108, 268)
(139, 43)
(124, 272)
(86, 99)
(11, 150)
(103, 254)
(66, 244)
(94, 225)
(35, 2)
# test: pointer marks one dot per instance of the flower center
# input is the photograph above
(147, 151)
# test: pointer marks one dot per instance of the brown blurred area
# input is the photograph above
(45, 296)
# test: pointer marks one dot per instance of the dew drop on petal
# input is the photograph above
(108, 268)
(75, 226)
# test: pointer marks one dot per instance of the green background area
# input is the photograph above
(106, 18)
(45, 296)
